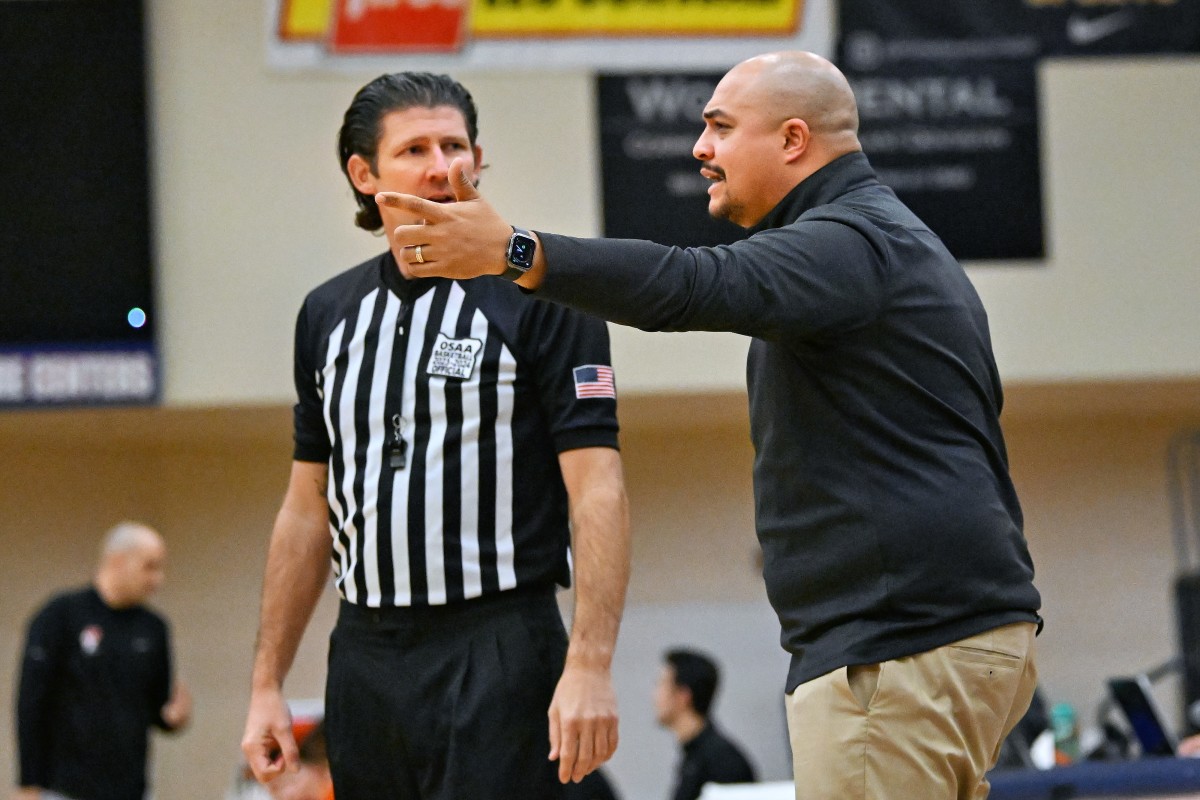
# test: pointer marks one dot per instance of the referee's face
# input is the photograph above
(415, 148)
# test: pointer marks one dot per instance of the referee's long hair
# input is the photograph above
(362, 126)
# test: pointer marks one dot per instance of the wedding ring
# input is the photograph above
(420, 258)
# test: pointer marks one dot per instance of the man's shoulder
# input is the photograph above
(153, 618)
(65, 605)
(716, 741)
(336, 288)
(871, 207)
(724, 759)
(509, 307)
(68, 598)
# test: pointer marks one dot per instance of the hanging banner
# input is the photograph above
(316, 19)
(1059, 27)
(1112, 27)
(948, 114)
(117, 373)
(78, 317)
(451, 35)
(652, 186)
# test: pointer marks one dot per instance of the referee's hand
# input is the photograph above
(583, 721)
(268, 744)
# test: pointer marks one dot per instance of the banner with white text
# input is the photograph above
(652, 186)
(78, 310)
(948, 112)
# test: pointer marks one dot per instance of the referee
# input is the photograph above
(450, 437)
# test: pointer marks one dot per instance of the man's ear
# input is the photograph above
(796, 137)
(361, 175)
(687, 693)
(478, 153)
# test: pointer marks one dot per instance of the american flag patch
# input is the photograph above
(594, 380)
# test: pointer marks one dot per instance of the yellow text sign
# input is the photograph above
(310, 19)
(520, 18)
(304, 19)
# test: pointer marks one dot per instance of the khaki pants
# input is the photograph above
(926, 727)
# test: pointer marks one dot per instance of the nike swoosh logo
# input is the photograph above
(1084, 31)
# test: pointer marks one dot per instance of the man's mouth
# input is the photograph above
(713, 174)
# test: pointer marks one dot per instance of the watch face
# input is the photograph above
(520, 250)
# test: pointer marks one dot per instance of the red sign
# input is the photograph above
(363, 26)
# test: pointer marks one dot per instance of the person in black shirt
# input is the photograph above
(891, 531)
(456, 460)
(95, 676)
(683, 700)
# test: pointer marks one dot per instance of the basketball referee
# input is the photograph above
(451, 436)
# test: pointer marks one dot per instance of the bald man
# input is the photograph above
(891, 532)
(95, 676)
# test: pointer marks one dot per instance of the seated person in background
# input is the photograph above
(682, 700)
(312, 781)
(1189, 747)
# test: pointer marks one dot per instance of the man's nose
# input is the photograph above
(439, 165)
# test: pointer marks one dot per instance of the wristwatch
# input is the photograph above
(521, 247)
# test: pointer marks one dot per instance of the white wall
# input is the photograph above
(1119, 294)
(742, 637)
(252, 211)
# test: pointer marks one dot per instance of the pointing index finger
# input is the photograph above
(431, 211)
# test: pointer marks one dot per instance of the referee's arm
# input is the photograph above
(296, 572)
(583, 713)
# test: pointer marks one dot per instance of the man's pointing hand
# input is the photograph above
(464, 239)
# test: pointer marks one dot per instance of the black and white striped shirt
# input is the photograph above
(440, 407)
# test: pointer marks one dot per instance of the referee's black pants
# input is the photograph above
(445, 702)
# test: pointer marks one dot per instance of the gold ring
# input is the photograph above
(420, 258)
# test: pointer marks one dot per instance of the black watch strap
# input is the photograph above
(512, 273)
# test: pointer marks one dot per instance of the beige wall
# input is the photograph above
(1089, 462)
(251, 210)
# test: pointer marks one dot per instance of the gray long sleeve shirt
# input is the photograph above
(888, 520)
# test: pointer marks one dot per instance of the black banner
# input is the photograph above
(1113, 27)
(948, 113)
(1059, 27)
(77, 310)
(652, 185)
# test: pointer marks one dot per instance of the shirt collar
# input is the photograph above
(405, 289)
(694, 743)
(824, 186)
